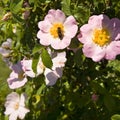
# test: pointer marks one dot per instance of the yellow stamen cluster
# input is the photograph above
(54, 29)
(101, 37)
(16, 106)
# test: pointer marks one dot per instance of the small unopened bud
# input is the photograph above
(14, 29)
(5, 49)
(26, 14)
(27, 11)
(94, 97)
(7, 16)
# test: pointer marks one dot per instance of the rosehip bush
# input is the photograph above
(63, 58)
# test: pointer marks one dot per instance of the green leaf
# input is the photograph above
(84, 14)
(39, 91)
(83, 101)
(79, 58)
(74, 43)
(99, 88)
(66, 6)
(31, 1)
(46, 59)
(115, 65)
(37, 48)
(16, 5)
(18, 18)
(35, 62)
(115, 117)
(109, 102)
(36, 99)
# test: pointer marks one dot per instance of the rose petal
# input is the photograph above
(50, 77)
(22, 112)
(14, 82)
(13, 116)
(70, 26)
(44, 26)
(112, 50)
(61, 44)
(92, 51)
(55, 16)
(44, 38)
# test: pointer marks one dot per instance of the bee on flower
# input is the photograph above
(57, 30)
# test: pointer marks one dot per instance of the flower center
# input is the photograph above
(41, 65)
(57, 30)
(16, 106)
(21, 75)
(101, 37)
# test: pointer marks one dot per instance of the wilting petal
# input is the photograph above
(50, 77)
(14, 82)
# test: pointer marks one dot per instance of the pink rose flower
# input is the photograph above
(100, 38)
(15, 106)
(18, 76)
(27, 68)
(57, 30)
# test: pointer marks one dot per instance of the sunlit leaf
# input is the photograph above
(46, 59)
(36, 99)
(39, 91)
(37, 48)
(35, 62)
(115, 117)
(15, 6)
(66, 6)
(18, 18)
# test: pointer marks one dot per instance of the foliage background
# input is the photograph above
(71, 97)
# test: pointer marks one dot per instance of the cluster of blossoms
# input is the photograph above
(100, 39)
